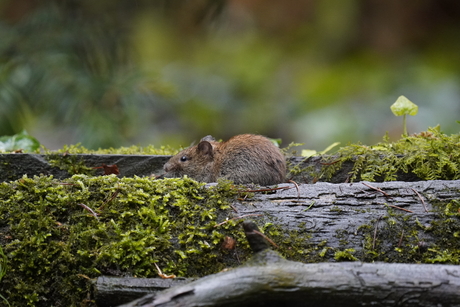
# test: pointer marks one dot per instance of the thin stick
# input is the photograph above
(114, 194)
(89, 209)
(296, 186)
(399, 208)
(266, 238)
(267, 190)
(421, 199)
(400, 239)
(162, 275)
(377, 189)
(375, 232)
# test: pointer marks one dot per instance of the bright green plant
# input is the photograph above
(404, 106)
(21, 141)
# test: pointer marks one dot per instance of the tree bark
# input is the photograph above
(335, 213)
(268, 280)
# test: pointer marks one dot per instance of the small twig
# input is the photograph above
(267, 190)
(84, 276)
(90, 210)
(421, 199)
(234, 208)
(400, 239)
(266, 238)
(399, 208)
(238, 217)
(375, 232)
(296, 186)
(164, 276)
(377, 189)
(114, 194)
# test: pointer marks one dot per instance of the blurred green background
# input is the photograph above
(115, 73)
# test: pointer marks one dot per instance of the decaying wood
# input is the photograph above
(113, 291)
(321, 284)
(326, 209)
(269, 280)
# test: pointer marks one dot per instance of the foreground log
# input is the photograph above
(269, 280)
(348, 215)
(112, 291)
(353, 221)
(321, 284)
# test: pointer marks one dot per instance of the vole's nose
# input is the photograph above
(167, 167)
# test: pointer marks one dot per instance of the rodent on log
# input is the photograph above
(245, 158)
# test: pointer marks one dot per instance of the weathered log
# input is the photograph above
(113, 291)
(269, 280)
(345, 214)
(319, 284)
(334, 213)
(14, 166)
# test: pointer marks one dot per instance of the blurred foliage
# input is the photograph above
(117, 73)
(131, 150)
(20, 142)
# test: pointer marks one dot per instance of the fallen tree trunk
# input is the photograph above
(346, 214)
(269, 280)
(395, 222)
(320, 284)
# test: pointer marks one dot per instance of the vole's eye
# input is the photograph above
(183, 158)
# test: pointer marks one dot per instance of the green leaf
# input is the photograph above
(19, 141)
(404, 106)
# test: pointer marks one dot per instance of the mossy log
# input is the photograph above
(345, 214)
(269, 280)
(14, 166)
(396, 222)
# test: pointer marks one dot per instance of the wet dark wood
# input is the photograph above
(326, 210)
(271, 281)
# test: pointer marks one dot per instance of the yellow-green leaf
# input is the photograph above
(404, 106)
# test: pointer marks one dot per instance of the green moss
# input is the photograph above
(400, 237)
(132, 150)
(296, 245)
(58, 235)
(72, 164)
(345, 255)
(428, 155)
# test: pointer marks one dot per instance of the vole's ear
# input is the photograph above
(208, 138)
(205, 148)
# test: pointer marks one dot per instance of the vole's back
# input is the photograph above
(249, 158)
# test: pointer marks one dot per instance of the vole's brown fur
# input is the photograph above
(245, 158)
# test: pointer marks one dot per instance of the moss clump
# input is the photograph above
(296, 245)
(131, 150)
(72, 164)
(58, 235)
(402, 238)
(428, 155)
(345, 255)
